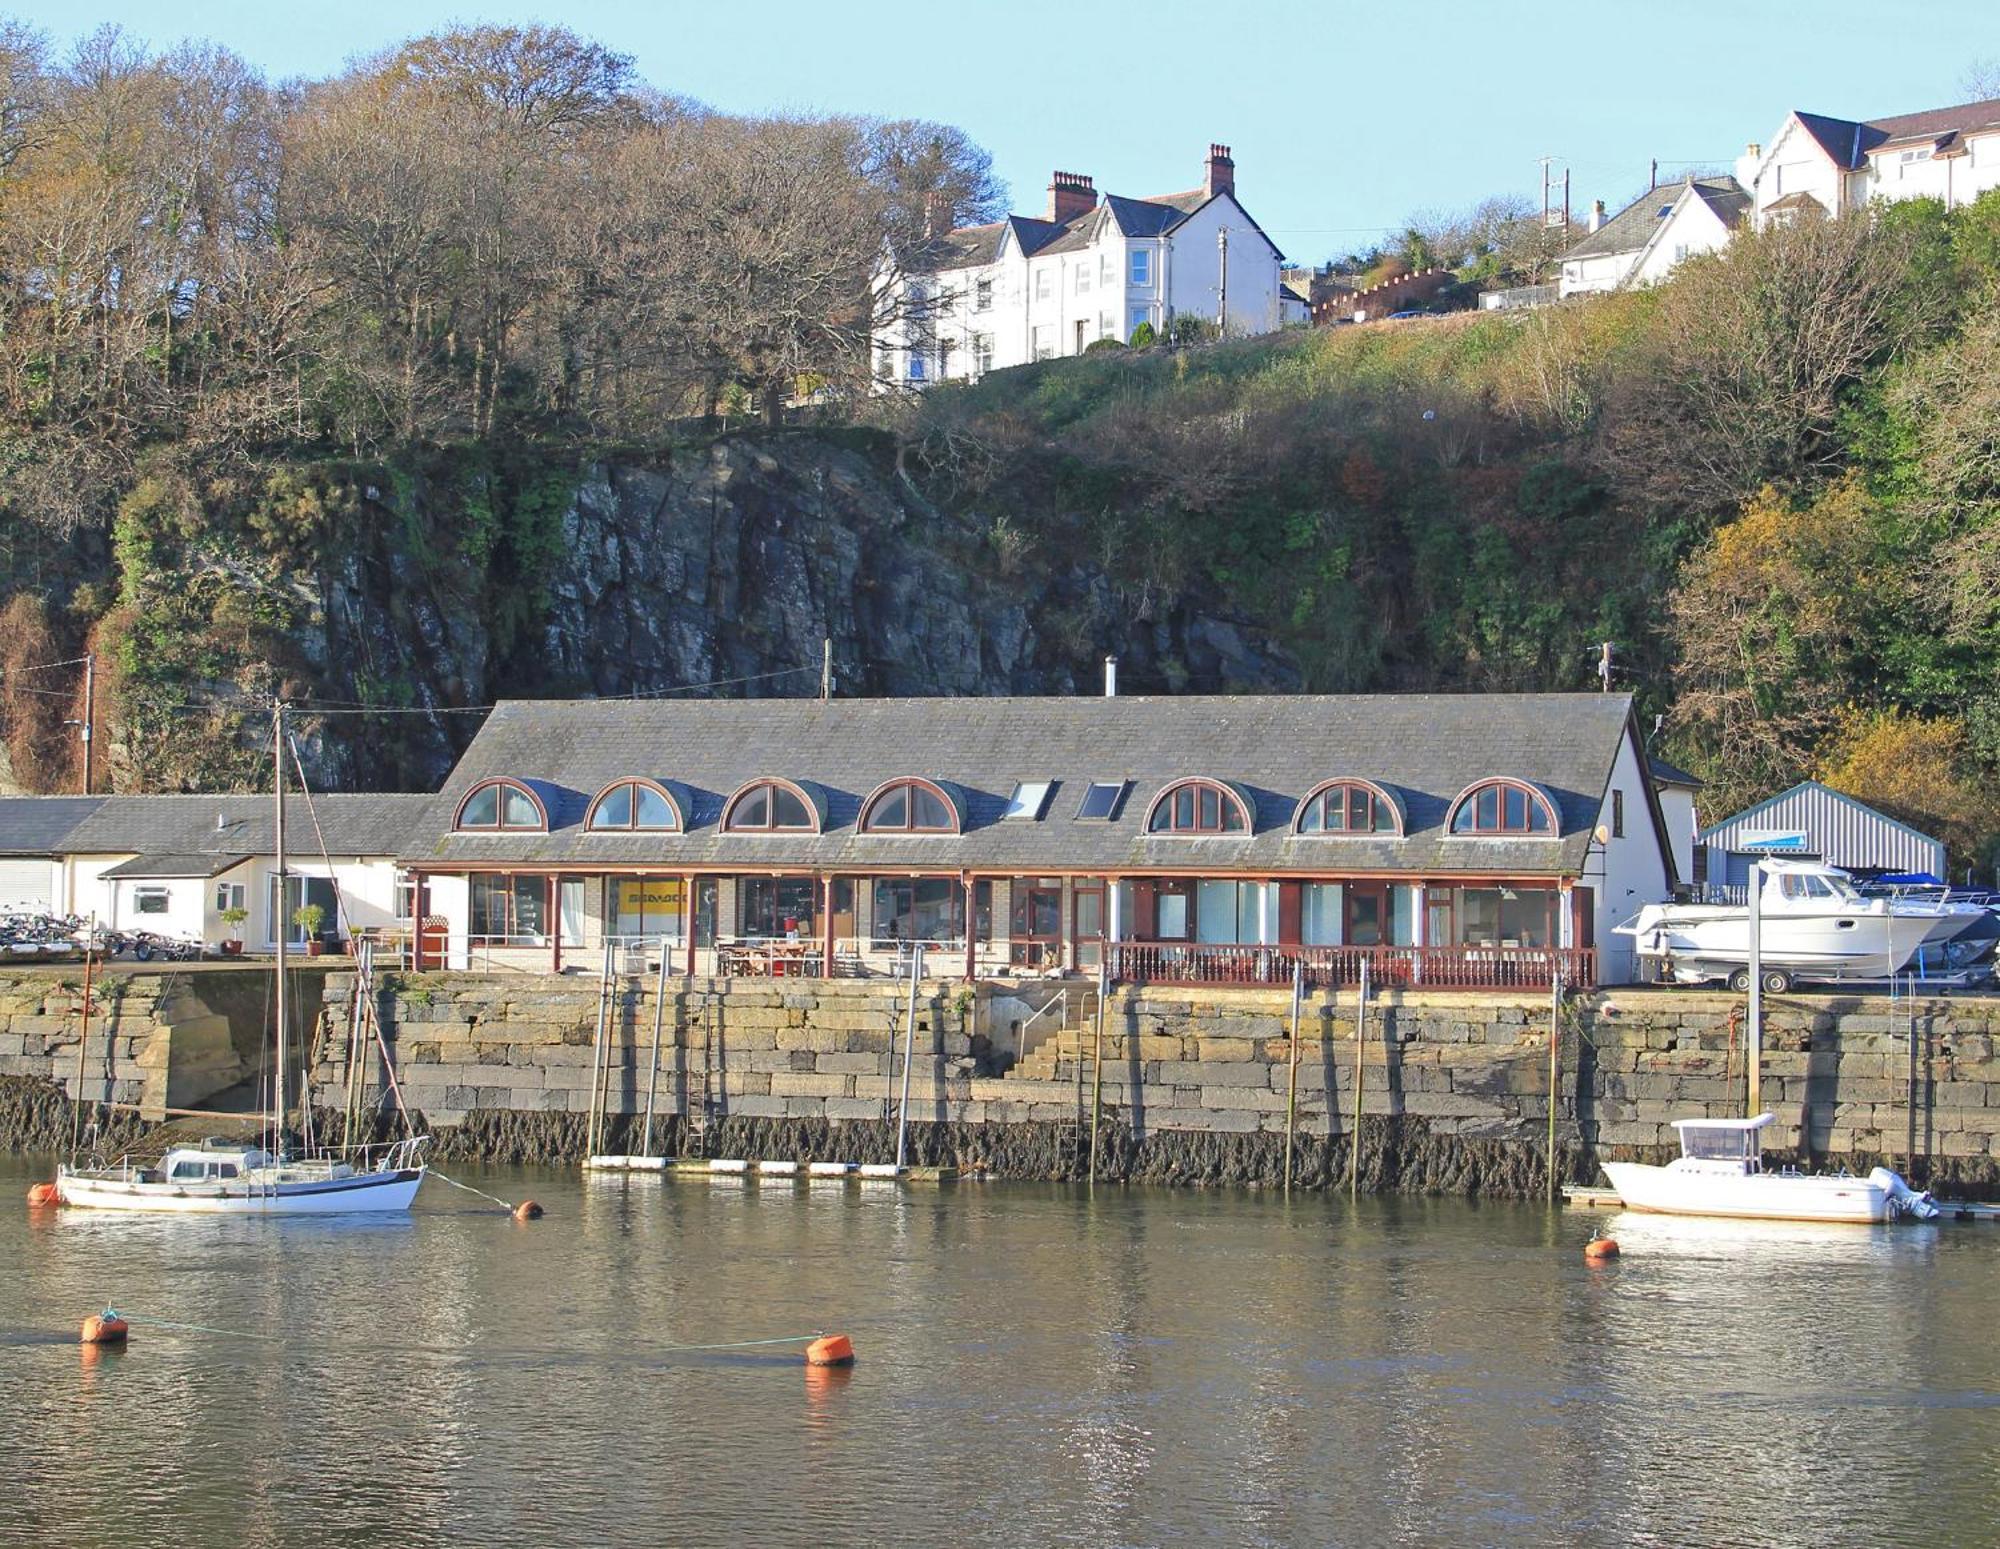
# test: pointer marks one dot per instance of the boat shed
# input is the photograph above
(1812, 821)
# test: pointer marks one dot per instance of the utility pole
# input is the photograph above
(1653, 175)
(1565, 201)
(1545, 160)
(89, 712)
(1222, 304)
(1604, 667)
(826, 669)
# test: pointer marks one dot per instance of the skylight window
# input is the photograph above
(1100, 800)
(1029, 801)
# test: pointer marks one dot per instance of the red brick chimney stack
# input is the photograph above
(1221, 177)
(1070, 194)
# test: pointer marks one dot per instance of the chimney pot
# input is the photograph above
(1596, 213)
(1110, 677)
(1070, 194)
(1220, 177)
(1753, 150)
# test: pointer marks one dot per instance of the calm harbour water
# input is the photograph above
(1036, 1367)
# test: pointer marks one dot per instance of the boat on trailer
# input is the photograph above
(1720, 1172)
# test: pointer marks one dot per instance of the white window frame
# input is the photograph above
(230, 895)
(982, 353)
(1082, 281)
(153, 893)
(982, 295)
(1107, 271)
(1042, 282)
(1140, 261)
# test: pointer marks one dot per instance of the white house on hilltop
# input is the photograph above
(1833, 165)
(1024, 289)
(1642, 243)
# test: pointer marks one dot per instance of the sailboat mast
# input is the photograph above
(283, 923)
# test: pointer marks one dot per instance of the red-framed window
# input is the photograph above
(634, 806)
(1348, 807)
(909, 807)
(1503, 807)
(1198, 807)
(501, 806)
(770, 807)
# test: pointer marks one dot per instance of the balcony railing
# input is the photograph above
(1438, 968)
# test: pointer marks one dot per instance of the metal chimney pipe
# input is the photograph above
(1110, 677)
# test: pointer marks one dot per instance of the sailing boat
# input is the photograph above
(221, 1177)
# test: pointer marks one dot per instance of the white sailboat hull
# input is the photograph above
(354, 1194)
(1694, 1190)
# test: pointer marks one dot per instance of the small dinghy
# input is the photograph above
(1720, 1172)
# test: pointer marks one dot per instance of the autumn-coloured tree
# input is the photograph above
(1919, 772)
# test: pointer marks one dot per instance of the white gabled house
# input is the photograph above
(1816, 164)
(1024, 289)
(1642, 243)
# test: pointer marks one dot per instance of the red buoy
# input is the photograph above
(834, 1350)
(1600, 1250)
(527, 1210)
(43, 1195)
(104, 1328)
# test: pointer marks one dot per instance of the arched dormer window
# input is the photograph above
(1198, 807)
(1503, 807)
(909, 807)
(770, 807)
(501, 806)
(634, 806)
(1349, 807)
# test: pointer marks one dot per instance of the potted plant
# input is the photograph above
(234, 919)
(307, 917)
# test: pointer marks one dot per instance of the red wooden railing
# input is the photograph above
(1437, 968)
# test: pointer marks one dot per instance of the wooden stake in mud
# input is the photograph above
(1360, 1045)
(1096, 1066)
(1292, 1080)
(83, 1041)
(1555, 1066)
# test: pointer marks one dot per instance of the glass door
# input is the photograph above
(1087, 927)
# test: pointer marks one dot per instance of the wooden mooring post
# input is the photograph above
(1555, 1069)
(1360, 1048)
(1292, 1079)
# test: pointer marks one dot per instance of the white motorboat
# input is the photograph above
(1813, 924)
(1720, 1172)
(221, 1177)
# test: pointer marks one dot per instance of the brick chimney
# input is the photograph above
(937, 216)
(1070, 194)
(1221, 177)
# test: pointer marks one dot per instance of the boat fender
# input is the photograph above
(1600, 1250)
(104, 1328)
(527, 1210)
(44, 1194)
(834, 1350)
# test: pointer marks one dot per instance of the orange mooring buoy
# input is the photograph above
(1600, 1249)
(43, 1194)
(834, 1350)
(104, 1328)
(527, 1210)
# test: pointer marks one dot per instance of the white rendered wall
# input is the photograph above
(1194, 269)
(1630, 870)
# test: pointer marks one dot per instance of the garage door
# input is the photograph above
(25, 885)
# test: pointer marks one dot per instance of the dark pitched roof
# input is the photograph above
(1730, 204)
(1142, 217)
(173, 866)
(1843, 140)
(1798, 201)
(1665, 773)
(37, 825)
(1632, 227)
(188, 827)
(965, 247)
(1426, 748)
(1935, 123)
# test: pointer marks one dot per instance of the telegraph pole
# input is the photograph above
(89, 712)
(1222, 305)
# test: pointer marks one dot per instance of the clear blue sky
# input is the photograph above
(1344, 117)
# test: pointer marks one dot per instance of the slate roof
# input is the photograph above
(37, 825)
(186, 829)
(1665, 773)
(173, 866)
(1632, 227)
(1425, 748)
(1847, 142)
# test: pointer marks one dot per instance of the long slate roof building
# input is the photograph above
(1512, 823)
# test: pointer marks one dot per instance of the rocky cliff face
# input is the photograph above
(726, 566)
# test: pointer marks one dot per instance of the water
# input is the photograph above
(1037, 1367)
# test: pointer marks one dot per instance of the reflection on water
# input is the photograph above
(1036, 1366)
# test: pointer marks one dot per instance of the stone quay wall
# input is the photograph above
(1456, 1083)
(1194, 1085)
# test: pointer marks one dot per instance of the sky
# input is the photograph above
(1344, 118)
